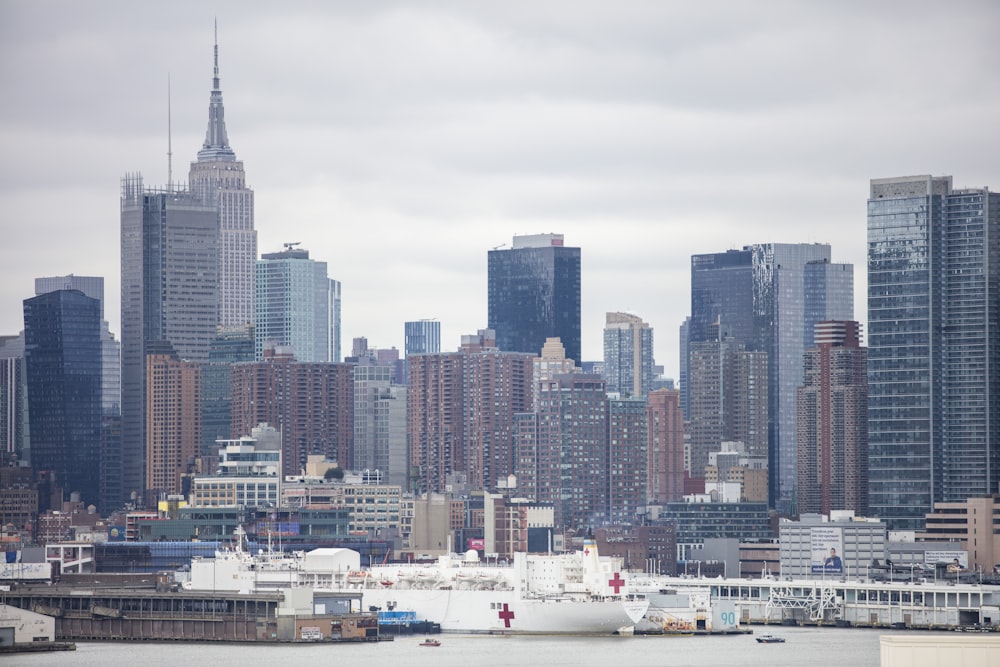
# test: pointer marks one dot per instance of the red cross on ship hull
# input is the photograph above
(506, 615)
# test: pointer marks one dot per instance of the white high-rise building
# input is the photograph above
(218, 176)
(297, 305)
(628, 355)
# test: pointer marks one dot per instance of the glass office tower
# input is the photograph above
(768, 296)
(534, 294)
(933, 375)
(62, 348)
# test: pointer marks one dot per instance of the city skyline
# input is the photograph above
(645, 134)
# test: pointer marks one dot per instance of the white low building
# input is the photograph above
(20, 626)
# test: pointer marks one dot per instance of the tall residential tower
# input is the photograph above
(933, 346)
(628, 355)
(296, 305)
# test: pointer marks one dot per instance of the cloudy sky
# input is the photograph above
(399, 142)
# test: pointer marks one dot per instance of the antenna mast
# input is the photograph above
(170, 153)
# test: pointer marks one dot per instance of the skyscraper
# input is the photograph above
(833, 422)
(380, 423)
(759, 297)
(534, 294)
(312, 404)
(627, 459)
(173, 420)
(62, 334)
(293, 305)
(111, 367)
(169, 246)
(665, 447)
(419, 337)
(422, 337)
(218, 177)
(628, 355)
(14, 443)
(231, 346)
(729, 400)
(571, 459)
(933, 348)
(460, 411)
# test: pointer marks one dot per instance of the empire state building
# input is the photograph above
(217, 175)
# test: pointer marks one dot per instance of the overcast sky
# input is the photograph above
(399, 142)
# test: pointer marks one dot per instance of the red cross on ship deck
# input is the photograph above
(506, 615)
(616, 583)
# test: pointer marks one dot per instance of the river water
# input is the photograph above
(842, 647)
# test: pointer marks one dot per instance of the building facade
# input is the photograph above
(169, 246)
(380, 424)
(628, 355)
(665, 447)
(218, 177)
(833, 422)
(628, 459)
(760, 297)
(933, 348)
(173, 421)
(312, 404)
(422, 337)
(14, 443)
(62, 353)
(972, 524)
(728, 400)
(230, 347)
(293, 305)
(249, 473)
(111, 371)
(534, 294)
(571, 460)
(814, 548)
(461, 409)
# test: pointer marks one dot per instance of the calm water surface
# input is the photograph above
(804, 646)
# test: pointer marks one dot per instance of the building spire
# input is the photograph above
(216, 146)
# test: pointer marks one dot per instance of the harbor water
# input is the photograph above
(803, 645)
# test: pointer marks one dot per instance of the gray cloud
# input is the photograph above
(400, 141)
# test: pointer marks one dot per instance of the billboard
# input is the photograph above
(826, 550)
(477, 543)
(956, 560)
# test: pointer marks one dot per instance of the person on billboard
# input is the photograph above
(833, 561)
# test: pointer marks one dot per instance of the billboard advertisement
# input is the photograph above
(957, 560)
(477, 543)
(827, 550)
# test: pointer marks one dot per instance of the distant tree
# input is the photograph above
(333, 473)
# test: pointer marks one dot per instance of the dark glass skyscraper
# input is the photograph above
(768, 296)
(933, 346)
(62, 332)
(534, 294)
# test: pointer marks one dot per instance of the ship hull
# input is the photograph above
(502, 612)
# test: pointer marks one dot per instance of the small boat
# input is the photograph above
(768, 638)
(430, 642)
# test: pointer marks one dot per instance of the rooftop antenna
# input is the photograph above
(215, 73)
(170, 153)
